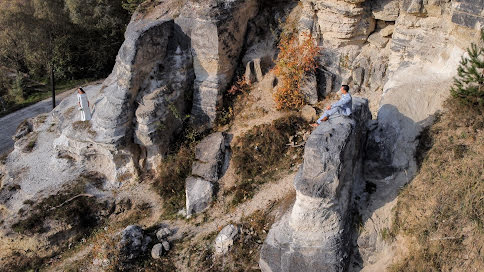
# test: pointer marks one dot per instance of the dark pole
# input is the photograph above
(52, 80)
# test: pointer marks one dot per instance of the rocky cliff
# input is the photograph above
(178, 60)
(316, 234)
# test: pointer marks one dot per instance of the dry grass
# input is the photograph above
(81, 213)
(84, 126)
(78, 212)
(170, 184)
(69, 112)
(443, 208)
(31, 142)
(101, 244)
(244, 254)
(262, 152)
(234, 101)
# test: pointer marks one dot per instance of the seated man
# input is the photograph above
(343, 106)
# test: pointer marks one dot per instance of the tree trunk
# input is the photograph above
(52, 81)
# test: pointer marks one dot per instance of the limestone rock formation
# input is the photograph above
(175, 64)
(206, 170)
(170, 54)
(315, 234)
(385, 10)
(225, 239)
(209, 157)
(253, 71)
(468, 13)
(199, 193)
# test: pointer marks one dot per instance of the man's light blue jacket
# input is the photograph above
(343, 106)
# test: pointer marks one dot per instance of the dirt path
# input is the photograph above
(9, 123)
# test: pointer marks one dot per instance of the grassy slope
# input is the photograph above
(441, 213)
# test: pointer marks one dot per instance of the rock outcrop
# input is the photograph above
(206, 170)
(225, 239)
(315, 234)
(170, 54)
(177, 61)
(133, 243)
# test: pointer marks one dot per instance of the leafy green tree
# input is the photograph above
(132, 5)
(469, 84)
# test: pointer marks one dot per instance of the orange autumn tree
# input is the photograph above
(295, 59)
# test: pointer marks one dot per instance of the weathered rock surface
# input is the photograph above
(387, 30)
(309, 88)
(209, 156)
(199, 193)
(385, 10)
(157, 251)
(468, 13)
(225, 239)
(309, 113)
(378, 40)
(176, 51)
(253, 71)
(341, 22)
(206, 170)
(163, 233)
(169, 54)
(315, 235)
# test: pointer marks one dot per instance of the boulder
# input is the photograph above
(206, 170)
(23, 129)
(199, 193)
(163, 233)
(209, 157)
(157, 251)
(225, 239)
(387, 31)
(133, 242)
(166, 245)
(315, 234)
(309, 113)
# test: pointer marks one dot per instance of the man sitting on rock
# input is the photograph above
(343, 106)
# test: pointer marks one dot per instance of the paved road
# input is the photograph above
(9, 123)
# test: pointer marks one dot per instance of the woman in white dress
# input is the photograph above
(83, 105)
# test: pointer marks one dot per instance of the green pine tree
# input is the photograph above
(469, 84)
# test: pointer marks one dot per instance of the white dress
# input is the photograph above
(85, 111)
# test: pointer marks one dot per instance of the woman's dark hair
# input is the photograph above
(346, 87)
(82, 90)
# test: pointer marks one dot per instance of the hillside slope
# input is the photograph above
(441, 212)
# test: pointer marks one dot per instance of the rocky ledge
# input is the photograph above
(315, 234)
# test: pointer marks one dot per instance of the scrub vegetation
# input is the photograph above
(442, 210)
(294, 61)
(264, 150)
